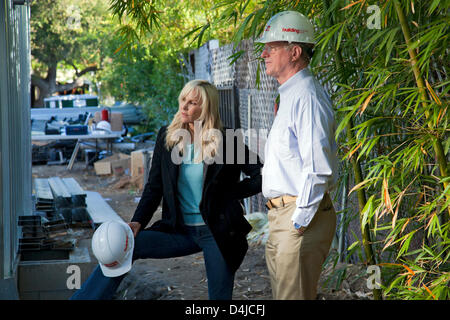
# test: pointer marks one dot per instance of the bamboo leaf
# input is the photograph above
(351, 5)
(242, 9)
(201, 34)
(343, 123)
(368, 147)
(387, 198)
(359, 185)
(429, 291)
(433, 6)
(388, 243)
(367, 212)
(447, 145)
(353, 245)
(404, 245)
(255, 21)
(366, 103)
(239, 34)
(187, 35)
(235, 56)
(354, 150)
(432, 93)
(441, 115)
(338, 43)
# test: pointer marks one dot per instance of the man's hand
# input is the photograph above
(301, 230)
(135, 227)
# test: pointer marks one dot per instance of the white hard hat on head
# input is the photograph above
(291, 26)
(112, 245)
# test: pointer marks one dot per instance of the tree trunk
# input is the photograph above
(44, 91)
(51, 78)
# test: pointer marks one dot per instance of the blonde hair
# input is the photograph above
(208, 97)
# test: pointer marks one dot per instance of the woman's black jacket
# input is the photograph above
(220, 205)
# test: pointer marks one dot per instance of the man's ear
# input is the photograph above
(296, 53)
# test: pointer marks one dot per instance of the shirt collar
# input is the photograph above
(292, 82)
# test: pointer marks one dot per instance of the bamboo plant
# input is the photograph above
(399, 135)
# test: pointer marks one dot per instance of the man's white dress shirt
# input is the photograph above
(300, 151)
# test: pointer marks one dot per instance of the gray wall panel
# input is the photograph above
(15, 139)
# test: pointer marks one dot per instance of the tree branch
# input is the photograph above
(86, 70)
(69, 86)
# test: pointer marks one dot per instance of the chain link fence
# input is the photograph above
(247, 98)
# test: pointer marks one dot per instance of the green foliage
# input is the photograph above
(67, 42)
(167, 82)
(70, 32)
(126, 77)
(145, 57)
(148, 76)
(178, 25)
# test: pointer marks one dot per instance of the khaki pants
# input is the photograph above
(294, 261)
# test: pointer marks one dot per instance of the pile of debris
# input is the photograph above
(54, 152)
(344, 281)
(260, 228)
(55, 196)
(44, 239)
(131, 170)
(59, 204)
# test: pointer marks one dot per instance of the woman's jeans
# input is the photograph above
(160, 245)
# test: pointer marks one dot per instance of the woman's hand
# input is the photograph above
(135, 227)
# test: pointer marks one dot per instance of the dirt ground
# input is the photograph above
(185, 277)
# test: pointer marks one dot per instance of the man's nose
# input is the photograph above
(264, 53)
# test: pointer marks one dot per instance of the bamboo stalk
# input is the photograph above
(361, 194)
(437, 145)
(342, 230)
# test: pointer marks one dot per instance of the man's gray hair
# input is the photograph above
(307, 50)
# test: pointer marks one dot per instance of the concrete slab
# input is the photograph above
(55, 279)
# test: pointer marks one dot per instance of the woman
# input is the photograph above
(201, 209)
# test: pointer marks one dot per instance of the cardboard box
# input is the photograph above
(117, 164)
(140, 165)
(137, 163)
(116, 121)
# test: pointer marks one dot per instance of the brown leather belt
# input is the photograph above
(280, 201)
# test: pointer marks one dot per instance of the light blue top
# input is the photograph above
(190, 185)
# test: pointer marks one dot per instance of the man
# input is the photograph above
(300, 162)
